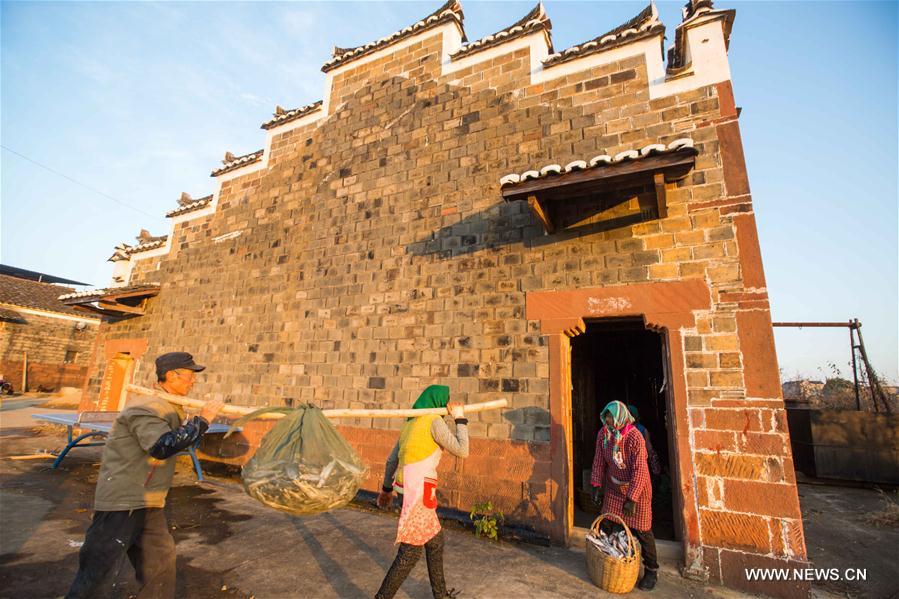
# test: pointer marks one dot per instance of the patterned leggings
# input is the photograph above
(406, 558)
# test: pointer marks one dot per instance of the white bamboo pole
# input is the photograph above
(335, 413)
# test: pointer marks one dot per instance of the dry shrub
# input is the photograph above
(48, 429)
(889, 515)
(66, 402)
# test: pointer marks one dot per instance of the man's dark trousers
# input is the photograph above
(141, 535)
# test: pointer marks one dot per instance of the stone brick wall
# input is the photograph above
(374, 256)
(46, 340)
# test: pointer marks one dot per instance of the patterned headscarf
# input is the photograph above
(435, 396)
(622, 422)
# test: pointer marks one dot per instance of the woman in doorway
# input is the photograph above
(655, 464)
(621, 474)
(412, 470)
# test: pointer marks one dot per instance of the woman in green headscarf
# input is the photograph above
(412, 470)
(621, 475)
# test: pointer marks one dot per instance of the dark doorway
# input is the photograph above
(620, 359)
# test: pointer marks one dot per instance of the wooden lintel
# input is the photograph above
(89, 309)
(115, 296)
(661, 196)
(92, 309)
(540, 213)
(121, 308)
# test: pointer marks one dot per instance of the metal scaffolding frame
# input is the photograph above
(857, 345)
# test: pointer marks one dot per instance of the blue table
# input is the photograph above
(97, 428)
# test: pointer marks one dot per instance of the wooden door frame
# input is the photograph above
(665, 307)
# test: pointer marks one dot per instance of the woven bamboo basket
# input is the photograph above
(613, 574)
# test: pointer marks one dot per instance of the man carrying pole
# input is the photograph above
(135, 476)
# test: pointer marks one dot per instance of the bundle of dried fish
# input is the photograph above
(614, 544)
(303, 466)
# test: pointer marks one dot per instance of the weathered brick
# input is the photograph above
(724, 273)
(763, 443)
(717, 441)
(693, 343)
(795, 539)
(623, 76)
(697, 378)
(710, 492)
(729, 360)
(692, 269)
(737, 531)
(743, 420)
(730, 465)
(726, 379)
(700, 397)
(761, 498)
(677, 255)
(721, 342)
(663, 271)
(701, 360)
(656, 242)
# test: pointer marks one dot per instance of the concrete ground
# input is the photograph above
(230, 545)
(838, 536)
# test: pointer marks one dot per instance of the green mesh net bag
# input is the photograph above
(303, 465)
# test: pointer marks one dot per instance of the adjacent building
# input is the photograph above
(44, 344)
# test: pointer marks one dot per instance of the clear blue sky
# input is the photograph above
(141, 100)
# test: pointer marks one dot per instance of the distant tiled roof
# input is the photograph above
(596, 161)
(96, 294)
(282, 116)
(10, 315)
(237, 161)
(22, 273)
(451, 11)
(643, 25)
(190, 206)
(35, 295)
(534, 20)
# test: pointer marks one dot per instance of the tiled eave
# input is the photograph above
(451, 11)
(197, 204)
(239, 162)
(644, 25)
(598, 45)
(287, 116)
(148, 245)
(123, 251)
(550, 171)
(114, 301)
(655, 164)
(535, 20)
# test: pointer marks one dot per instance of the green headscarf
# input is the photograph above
(621, 416)
(435, 396)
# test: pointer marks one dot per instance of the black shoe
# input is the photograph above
(648, 582)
